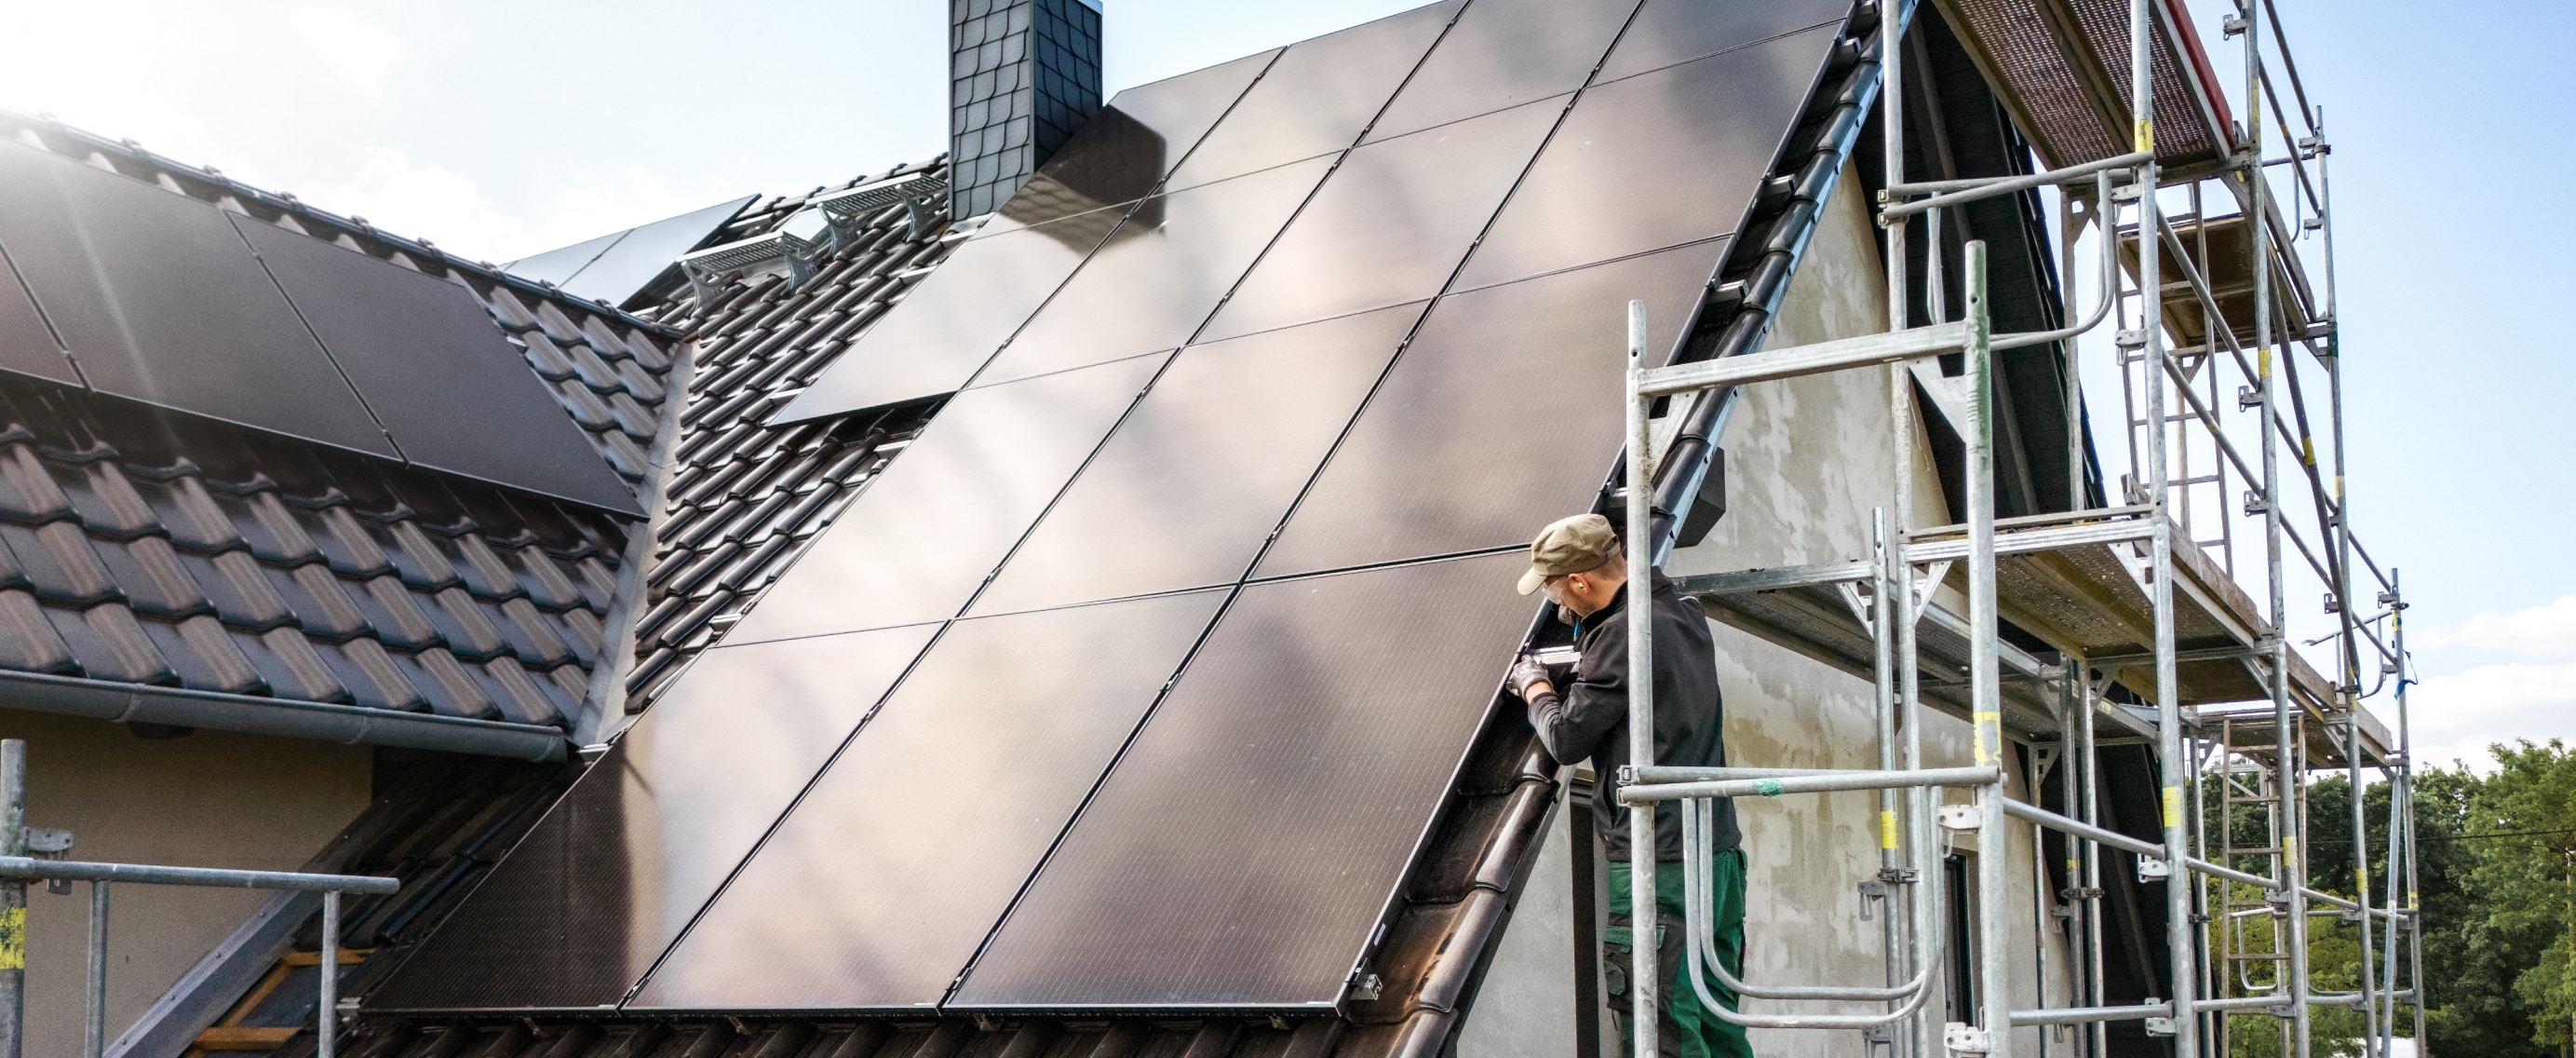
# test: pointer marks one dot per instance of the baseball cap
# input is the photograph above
(1579, 544)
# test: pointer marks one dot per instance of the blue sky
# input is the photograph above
(500, 129)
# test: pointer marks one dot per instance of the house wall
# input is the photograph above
(1807, 462)
(208, 799)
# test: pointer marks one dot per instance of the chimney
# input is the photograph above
(1023, 75)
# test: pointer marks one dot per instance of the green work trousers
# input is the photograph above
(1689, 1030)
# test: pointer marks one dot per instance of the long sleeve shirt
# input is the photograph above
(1589, 716)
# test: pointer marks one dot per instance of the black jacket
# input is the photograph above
(1590, 717)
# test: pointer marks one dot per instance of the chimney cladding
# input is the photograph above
(1023, 75)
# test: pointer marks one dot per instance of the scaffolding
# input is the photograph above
(2138, 595)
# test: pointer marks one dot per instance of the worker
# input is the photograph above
(1579, 563)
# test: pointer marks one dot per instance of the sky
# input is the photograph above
(502, 129)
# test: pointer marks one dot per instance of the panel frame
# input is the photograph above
(1363, 942)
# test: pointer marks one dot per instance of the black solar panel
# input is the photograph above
(1390, 225)
(1245, 848)
(1671, 31)
(1124, 151)
(425, 356)
(26, 346)
(881, 883)
(1502, 415)
(1197, 477)
(587, 902)
(1318, 97)
(953, 322)
(642, 254)
(1655, 160)
(943, 332)
(1158, 276)
(158, 299)
(920, 540)
(1505, 53)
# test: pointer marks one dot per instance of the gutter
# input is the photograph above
(348, 725)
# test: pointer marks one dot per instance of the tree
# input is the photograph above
(2525, 873)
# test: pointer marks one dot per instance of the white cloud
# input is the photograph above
(2544, 631)
(361, 52)
(2455, 717)
(426, 200)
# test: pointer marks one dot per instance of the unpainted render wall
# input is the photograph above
(208, 799)
(1807, 461)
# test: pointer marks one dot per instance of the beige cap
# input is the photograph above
(1579, 544)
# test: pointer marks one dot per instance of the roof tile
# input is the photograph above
(105, 499)
(372, 676)
(345, 543)
(205, 655)
(153, 578)
(29, 642)
(396, 618)
(450, 688)
(61, 564)
(240, 589)
(320, 601)
(290, 665)
(519, 698)
(27, 492)
(111, 645)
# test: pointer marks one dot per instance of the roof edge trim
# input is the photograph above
(246, 714)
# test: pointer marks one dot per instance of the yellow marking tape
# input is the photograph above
(2263, 360)
(13, 938)
(1886, 829)
(2173, 806)
(2145, 135)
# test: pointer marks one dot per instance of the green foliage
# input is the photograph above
(2496, 875)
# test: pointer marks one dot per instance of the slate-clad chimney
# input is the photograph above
(1023, 75)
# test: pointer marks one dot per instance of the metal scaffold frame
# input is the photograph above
(2237, 915)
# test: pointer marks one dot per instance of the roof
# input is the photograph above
(146, 546)
(742, 500)
(1452, 890)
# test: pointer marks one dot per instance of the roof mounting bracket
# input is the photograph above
(846, 210)
(708, 268)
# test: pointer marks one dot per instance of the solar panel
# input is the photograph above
(1503, 414)
(604, 884)
(922, 538)
(1390, 225)
(1192, 483)
(1655, 160)
(435, 371)
(1317, 97)
(945, 330)
(1243, 851)
(952, 323)
(1505, 53)
(881, 883)
(563, 262)
(26, 345)
(1158, 276)
(1671, 31)
(158, 299)
(646, 252)
(1142, 132)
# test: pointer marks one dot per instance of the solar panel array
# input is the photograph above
(618, 265)
(1260, 387)
(140, 293)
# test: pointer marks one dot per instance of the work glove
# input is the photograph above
(1526, 671)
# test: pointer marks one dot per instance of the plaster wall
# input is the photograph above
(209, 799)
(1808, 460)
